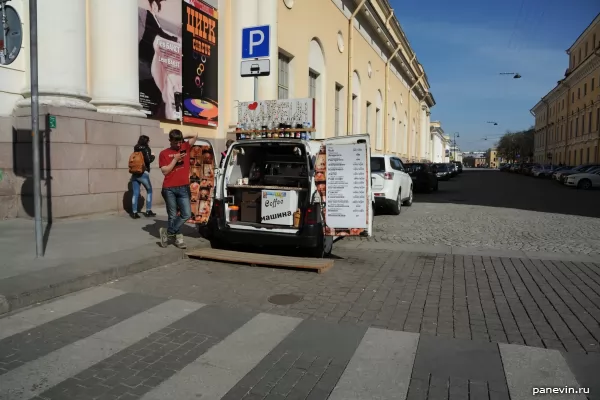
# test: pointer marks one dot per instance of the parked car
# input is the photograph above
(505, 167)
(543, 171)
(392, 186)
(459, 166)
(586, 180)
(559, 169)
(515, 167)
(443, 172)
(453, 169)
(585, 168)
(423, 176)
(558, 176)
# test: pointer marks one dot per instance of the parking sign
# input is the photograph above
(256, 42)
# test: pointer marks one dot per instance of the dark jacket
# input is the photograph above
(148, 157)
(151, 31)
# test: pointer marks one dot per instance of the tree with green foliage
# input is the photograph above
(516, 146)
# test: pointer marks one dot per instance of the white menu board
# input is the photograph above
(346, 205)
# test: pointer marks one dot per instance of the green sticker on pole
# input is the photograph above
(52, 121)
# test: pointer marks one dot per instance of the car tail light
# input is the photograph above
(388, 176)
(311, 216)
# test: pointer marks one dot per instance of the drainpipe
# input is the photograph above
(350, 69)
(387, 21)
(385, 104)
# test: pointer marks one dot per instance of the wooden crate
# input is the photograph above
(314, 264)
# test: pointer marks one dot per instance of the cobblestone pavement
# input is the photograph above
(552, 304)
(495, 210)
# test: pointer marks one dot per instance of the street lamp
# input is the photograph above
(456, 135)
(515, 75)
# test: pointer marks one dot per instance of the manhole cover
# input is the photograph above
(284, 299)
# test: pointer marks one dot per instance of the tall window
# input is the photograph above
(587, 158)
(585, 89)
(312, 84)
(592, 85)
(586, 49)
(598, 119)
(338, 100)
(576, 126)
(590, 122)
(355, 114)
(283, 84)
(393, 138)
(368, 118)
(378, 128)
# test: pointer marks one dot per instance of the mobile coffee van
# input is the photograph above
(283, 189)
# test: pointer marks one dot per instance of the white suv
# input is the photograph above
(392, 186)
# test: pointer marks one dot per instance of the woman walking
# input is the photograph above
(142, 179)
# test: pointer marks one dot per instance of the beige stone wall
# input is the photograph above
(84, 162)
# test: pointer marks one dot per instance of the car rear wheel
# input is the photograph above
(397, 205)
(584, 184)
(408, 202)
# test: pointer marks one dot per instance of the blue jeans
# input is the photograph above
(177, 197)
(136, 181)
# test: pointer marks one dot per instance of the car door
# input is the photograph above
(348, 174)
(404, 180)
(203, 179)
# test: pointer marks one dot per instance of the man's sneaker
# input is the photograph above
(149, 213)
(164, 237)
(179, 243)
(135, 215)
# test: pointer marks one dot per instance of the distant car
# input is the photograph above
(459, 166)
(443, 172)
(542, 171)
(423, 176)
(505, 167)
(392, 186)
(453, 169)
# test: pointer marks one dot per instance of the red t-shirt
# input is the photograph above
(180, 174)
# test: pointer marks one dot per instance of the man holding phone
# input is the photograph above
(174, 162)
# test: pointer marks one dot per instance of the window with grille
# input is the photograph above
(312, 84)
(283, 85)
(338, 101)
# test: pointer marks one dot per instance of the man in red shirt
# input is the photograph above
(174, 162)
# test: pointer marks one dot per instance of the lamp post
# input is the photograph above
(456, 135)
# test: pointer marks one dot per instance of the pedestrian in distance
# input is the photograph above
(224, 153)
(139, 168)
(174, 162)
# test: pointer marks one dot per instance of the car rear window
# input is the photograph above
(377, 164)
(441, 167)
(413, 167)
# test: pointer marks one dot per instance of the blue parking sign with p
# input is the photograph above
(255, 42)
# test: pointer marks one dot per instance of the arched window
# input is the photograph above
(393, 132)
(379, 121)
(355, 103)
(317, 85)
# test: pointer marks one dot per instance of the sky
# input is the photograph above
(464, 45)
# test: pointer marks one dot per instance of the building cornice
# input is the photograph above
(577, 41)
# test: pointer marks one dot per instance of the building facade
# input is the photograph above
(567, 119)
(351, 56)
(439, 143)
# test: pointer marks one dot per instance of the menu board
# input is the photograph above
(346, 186)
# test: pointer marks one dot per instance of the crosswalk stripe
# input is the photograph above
(527, 368)
(214, 373)
(380, 368)
(39, 315)
(39, 375)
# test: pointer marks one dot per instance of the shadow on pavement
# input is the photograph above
(508, 190)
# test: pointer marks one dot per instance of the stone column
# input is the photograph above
(114, 56)
(62, 55)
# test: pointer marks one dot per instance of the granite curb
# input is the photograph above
(24, 290)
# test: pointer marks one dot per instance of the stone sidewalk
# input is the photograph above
(80, 253)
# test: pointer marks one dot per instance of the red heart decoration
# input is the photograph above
(253, 106)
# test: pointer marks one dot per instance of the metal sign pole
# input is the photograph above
(35, 128)
(256, 88)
